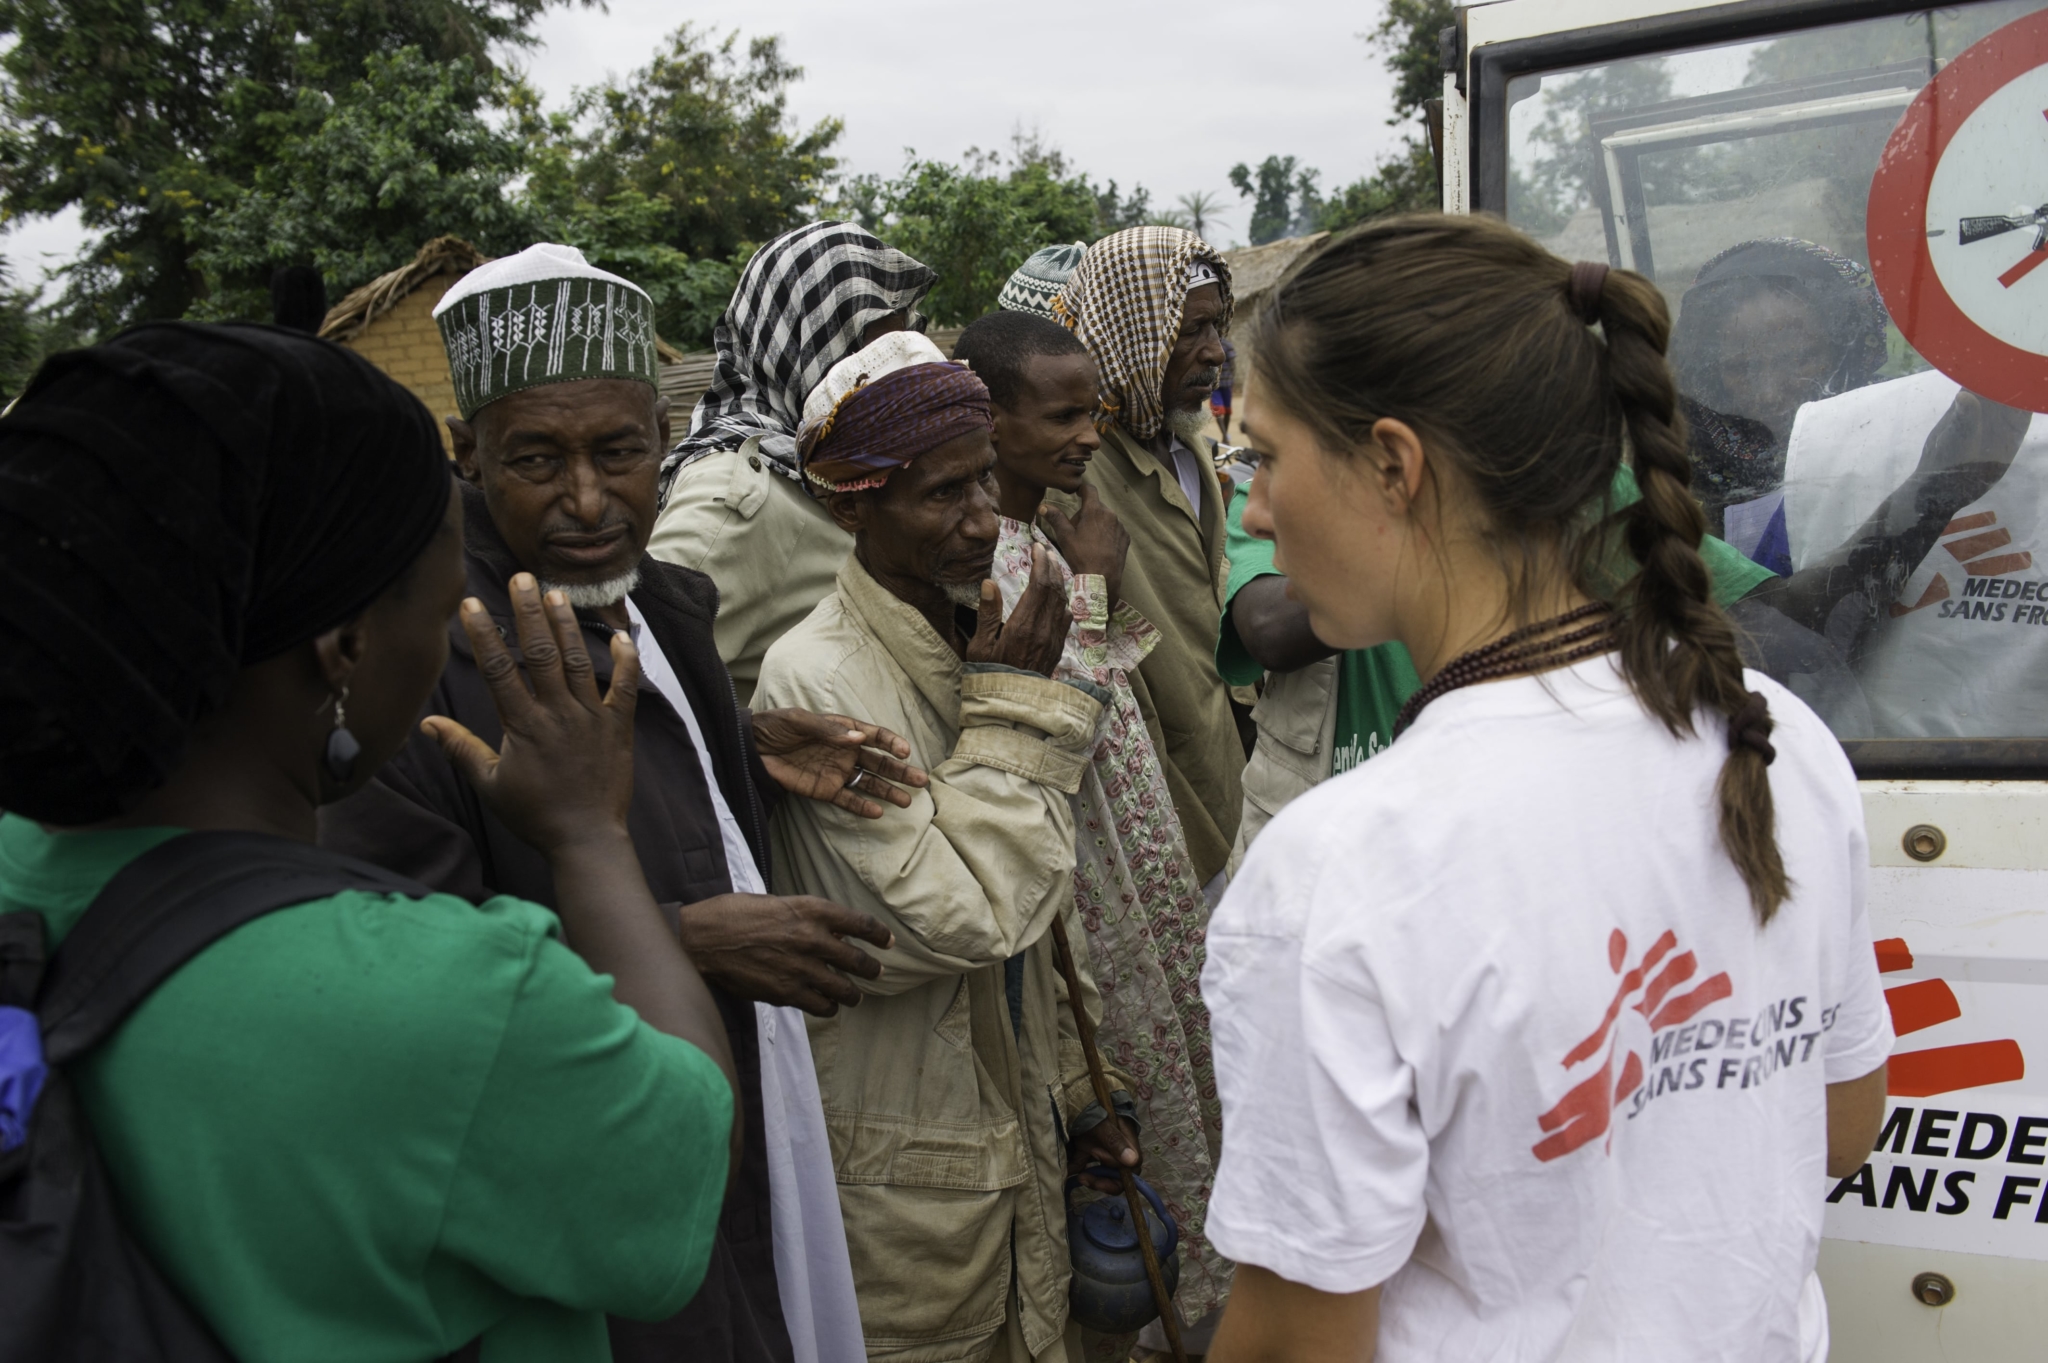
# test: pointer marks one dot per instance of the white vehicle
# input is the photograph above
(1760, 161)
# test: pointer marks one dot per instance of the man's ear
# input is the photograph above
(1397, 464)
(464, 436)
(849, 511)
(661, 424)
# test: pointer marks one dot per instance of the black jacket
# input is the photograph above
(421, 819)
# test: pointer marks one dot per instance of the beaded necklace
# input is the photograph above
(1531, 649)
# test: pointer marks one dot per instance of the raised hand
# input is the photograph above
(1036, 632)
(564, 773)
(1094, 541)
(1975, 431)
(833, 758)
(563, 781)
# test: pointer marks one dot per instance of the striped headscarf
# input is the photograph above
(801, 306)
(1124, 301)
(879, 427)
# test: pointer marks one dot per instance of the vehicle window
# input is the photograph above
(1905, 515)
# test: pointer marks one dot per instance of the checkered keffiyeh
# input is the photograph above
(1124, 301)
(801, 306)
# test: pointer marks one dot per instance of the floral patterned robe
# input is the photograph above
(1137, 897)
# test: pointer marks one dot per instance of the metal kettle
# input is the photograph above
(1110, 1292)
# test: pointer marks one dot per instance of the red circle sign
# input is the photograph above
(1958, 218)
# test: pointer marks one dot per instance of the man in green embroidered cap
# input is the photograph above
(559, 443)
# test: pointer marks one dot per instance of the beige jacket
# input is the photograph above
(1297, 722)
(1173, 576)
(941, 1118)
(772, 552)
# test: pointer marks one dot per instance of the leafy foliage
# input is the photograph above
(28, 333)
(1409, 34)
(1405, 180)
(148, 114)
(697, 148)
(1404, 183)
(1285, 200)
(975, 222)
(400, 155)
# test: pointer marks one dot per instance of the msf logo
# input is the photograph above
(1653, 987)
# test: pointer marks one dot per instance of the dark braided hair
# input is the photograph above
(1467, 330)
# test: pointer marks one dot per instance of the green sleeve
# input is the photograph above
(1734, 573)
(594, 1167)
(1248, 558)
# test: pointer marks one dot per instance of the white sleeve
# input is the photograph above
(1860, 1030)
(1324, 1157)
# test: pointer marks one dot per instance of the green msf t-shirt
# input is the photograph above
(374, 1128)
(1374, 683)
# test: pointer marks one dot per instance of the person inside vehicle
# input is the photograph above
(1135, 890)
(956, 1094)
(733, 505)
(1767, 326)
(559, 444)
(369, 1125)
(1152, 304)
(1453, 1130)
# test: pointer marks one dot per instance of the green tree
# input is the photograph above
(401, 155)
(1405, 181)
(1275, 189)
(1201, 209)
(28, 333)
(698, 145)
(975, 222)
(148, 114)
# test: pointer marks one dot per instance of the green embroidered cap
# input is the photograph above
(545, 315)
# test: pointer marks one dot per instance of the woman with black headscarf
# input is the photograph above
(1767, 326)
(367, 1126)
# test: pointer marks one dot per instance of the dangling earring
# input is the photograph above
(342, 748)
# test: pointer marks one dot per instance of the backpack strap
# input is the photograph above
(168, 905)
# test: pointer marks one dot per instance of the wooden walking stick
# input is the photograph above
(1168, 1321)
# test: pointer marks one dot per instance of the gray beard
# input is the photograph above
(591, 596)
(966, 594)
(1188, 426)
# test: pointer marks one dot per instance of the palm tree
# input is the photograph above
(1200, 210)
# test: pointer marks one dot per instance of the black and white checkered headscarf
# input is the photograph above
(800, 308)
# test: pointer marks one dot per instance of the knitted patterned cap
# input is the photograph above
(1031, 288)
(545, 315)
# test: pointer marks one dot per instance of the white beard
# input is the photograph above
(1188, 426)
(966, 594)
(590, 596)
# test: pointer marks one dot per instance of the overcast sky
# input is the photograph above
(1167, 96)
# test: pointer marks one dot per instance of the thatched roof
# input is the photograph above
(442, 255)
(1254, 270)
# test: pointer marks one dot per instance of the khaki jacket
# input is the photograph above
(941, 1117)
(772, 552)
(1174, 577)
(1297, 722)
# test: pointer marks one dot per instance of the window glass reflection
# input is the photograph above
(1903, 516)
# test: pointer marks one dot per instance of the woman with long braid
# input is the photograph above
(1560, 1074)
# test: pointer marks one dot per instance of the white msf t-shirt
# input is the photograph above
(1961, 651)
(1494, 1025)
